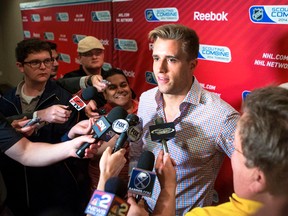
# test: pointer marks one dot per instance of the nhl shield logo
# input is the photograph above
(257, 14)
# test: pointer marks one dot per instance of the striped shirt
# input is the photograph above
(205, 128)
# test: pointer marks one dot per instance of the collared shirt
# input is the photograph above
(236, 207)
(205, 128)
(28, 103)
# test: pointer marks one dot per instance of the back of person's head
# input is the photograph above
(53, 45)
(188, 37)
(263, 131)
(29, 46)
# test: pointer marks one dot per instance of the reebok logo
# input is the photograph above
(211, 16)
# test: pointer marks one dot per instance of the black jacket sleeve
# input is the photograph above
(72, 85)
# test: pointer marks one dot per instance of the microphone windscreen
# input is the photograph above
(89, 93)
(159, 121)
(117, 186)
(146, 161)
(116, 113)
(132, 119)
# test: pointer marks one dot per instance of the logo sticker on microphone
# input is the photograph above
(77, 102)
(164, 131)
(141, 182)
(134, 133)
(100, 125)
(120, 125)
(160, 131)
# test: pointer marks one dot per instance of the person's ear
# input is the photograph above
(20, 67)
(259, 183)
(79, 58)
(105, 94)
(193, 64)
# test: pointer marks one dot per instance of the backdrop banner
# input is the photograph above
(244, 44)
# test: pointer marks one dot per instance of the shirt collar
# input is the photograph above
(19, 87)
(247, 206)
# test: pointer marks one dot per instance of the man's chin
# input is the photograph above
(95, 66)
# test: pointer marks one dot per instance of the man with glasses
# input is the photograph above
(91, 57)
(34, 190)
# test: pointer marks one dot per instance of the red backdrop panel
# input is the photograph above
(244, 44)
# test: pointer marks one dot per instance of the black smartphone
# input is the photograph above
(101, 111)
(32, 121)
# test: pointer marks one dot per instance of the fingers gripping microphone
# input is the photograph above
(142, 178)
(161, 132)
(103, 128)
(110, 202)
(132, 120)
(81, 98)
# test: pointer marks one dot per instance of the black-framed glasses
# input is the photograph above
(90, 53)
(35, 64)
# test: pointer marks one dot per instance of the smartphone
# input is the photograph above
(32, 121)
(101, 111)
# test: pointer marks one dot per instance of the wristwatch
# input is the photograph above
(35, 115)
(89, 81)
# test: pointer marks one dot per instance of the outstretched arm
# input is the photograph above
(42, 154)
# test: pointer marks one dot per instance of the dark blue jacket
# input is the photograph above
(52, 95)
(31, 190)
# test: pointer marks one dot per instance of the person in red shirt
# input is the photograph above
(117, 93)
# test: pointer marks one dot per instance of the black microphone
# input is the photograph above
(82, 97)
(103, 128)
(111, 201)
(161, 132)
(142, 178)
(132, 120)
(116, 186)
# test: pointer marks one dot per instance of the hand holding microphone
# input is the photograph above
(92, 111)
(103, 127)
(110, 165)
(61, 113)
(165, 169)
(81, 128)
